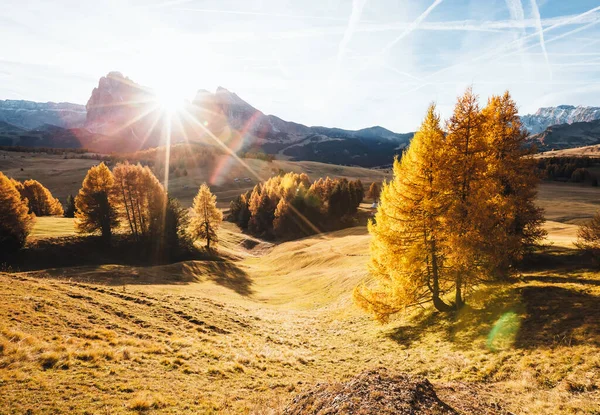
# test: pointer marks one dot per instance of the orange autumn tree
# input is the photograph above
(207, 217)
(374, 192)
(39, 199)
(408, 247)
(16, 222)
(140, 200)
(95, 210)
(459, 210)
(517, 223)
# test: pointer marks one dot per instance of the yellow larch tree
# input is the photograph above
(468, 191)
(517, 222)
(140, 199)
(408, 246)
(94, 204)
(16, 221)
(39, 198)
(207, 217)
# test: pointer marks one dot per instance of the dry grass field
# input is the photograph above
(64, 176)
(247, 333)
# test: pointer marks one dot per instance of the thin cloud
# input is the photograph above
(263, 14)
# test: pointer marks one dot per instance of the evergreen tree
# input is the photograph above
(207, 217)
(70, 208)
(16, 222)
(94, 205)
(175, 237)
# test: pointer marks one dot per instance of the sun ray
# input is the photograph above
(256, 175)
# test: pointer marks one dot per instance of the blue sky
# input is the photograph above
(349, 64)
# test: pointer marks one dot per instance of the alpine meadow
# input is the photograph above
(422, 239)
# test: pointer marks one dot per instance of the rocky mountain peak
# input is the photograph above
(561, 114)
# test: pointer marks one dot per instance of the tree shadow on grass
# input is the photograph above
(224, 273)
(461, 327)
(86, 259)
(558, 316)
(554, 258)
(523, 317)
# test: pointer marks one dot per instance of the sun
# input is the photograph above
(170, 99)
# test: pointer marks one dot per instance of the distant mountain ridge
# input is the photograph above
(562, 114)
(565, 136)
(123, 116)
(30, 114)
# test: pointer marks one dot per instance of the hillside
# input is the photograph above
(64, 176)
(248, 333)
(566, 136)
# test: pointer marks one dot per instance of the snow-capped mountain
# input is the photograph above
(562, 114)
(29, 114)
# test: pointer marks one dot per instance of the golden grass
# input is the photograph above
(52, 226)
(247, 335)
(64, 176)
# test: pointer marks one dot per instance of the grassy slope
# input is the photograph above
(64, 176)
(247, 334)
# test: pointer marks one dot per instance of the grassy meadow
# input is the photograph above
(64, 176)
(248, 332)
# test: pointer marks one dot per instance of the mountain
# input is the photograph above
(123, 116)
(563, 136)
(52, 136)
(30, 115)
(563, 114)
(121, 108)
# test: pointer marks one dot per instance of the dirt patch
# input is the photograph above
(372, 392)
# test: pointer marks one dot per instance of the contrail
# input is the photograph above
(412, 26)
(536, 13)
(357, 8)
(515, 8)
(409, 29)
(496, 53)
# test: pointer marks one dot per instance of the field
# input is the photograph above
(247, 333)
(64, 176)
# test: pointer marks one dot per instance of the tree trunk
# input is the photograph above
(438, 303)
(459, 302)
(207, 236)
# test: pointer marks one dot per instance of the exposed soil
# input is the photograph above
(379, 391)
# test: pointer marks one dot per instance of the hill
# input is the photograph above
(63, 176)
(266, 323)
(566, 136)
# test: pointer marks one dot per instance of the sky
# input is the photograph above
(337, 63)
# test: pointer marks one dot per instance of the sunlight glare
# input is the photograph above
(170, 99)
